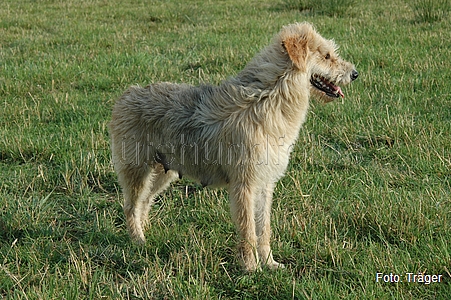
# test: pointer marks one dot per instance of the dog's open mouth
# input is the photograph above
(326, 86)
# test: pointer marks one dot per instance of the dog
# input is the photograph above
(237, 135)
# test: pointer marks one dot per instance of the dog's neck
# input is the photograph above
(266, 93)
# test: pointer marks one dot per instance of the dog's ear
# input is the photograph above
(297, 49)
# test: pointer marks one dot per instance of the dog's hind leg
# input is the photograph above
(263, 226)
(135, 182)
(159, 182)
(242, 208)
(140, 186)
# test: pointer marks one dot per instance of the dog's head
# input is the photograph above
(316, 56)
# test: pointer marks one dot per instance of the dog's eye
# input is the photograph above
(327, 56)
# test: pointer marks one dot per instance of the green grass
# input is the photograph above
(332, 8)
(431, 10)
(367, 190)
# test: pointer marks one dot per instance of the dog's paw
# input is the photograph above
(274, 265)
(248, 260)
(137, 237)
(250, 264)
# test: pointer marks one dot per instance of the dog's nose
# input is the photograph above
(354, 75)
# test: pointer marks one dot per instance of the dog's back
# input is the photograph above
(168, 124)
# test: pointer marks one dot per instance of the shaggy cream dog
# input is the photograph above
(238, 134)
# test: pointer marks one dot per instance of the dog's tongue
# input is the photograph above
(339, 91)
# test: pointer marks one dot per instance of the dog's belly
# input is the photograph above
(212, 176)
(216, 163)
(217, 175)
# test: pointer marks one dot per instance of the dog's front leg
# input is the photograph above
(242, 208)
(263, 204)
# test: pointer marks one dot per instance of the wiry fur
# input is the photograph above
(238, 134)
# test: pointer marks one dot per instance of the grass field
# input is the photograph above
(367, 190)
